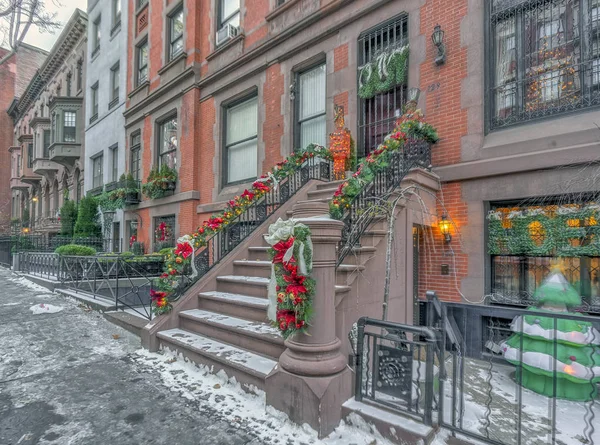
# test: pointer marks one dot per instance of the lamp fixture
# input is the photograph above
(26, 230)
(438, 40)
(444, 226)
(34, 199)
(413, 96)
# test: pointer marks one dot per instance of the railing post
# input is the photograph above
(358, 372)
(117, 286)
(429, 358)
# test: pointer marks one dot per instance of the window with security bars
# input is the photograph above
(516, 275)
(544, 59)
(377, 115)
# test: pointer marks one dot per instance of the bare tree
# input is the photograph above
(17, 17)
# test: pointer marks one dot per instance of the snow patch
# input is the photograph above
(45, 309)
(233, 322)
(246, 279)
(31, 285)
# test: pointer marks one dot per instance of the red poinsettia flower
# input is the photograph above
(184, 250)
(162, 302)
(248, 195)
(295, 282)
(157, 295)
(281, 248)
(261, 186)
(214, 222)
(165, 275)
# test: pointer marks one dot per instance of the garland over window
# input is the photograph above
(564, 231)
(382, 74)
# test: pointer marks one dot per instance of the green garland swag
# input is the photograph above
(178, 261)
(384, 73)
(294, 290)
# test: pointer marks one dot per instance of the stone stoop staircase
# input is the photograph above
(229, 330)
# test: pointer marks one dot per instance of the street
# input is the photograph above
(69, 377)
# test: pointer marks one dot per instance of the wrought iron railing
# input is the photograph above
(416, 153)
(485, 379)
(43, 243)
(222, 243)
(40, 264)
(127, 282)
(396, 367)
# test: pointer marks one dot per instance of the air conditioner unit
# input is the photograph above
(226, 33)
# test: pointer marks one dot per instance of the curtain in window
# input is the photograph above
(506, 67)
(242, 132)
(312, 107)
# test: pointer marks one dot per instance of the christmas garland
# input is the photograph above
(291, 290)
(178, 263)
(384, 73)
(565, 232)
(409, 125)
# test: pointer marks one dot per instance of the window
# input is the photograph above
(116, 11)
(94, 102)
(114, 159)
(69, 82)
(311, 108)
(46, 146)
(134, 166)
(378, 114)
(241, 141)
(19, 169)
(167, 143)
(96, 35)
(142, 63)
(30, 155)
(164, 232)
(79, 74)
(525, 241)
(544, 59)
(54, 127)
(70, 126)
(176, 33)
(115, 76)
(229, 13)
(98, 171)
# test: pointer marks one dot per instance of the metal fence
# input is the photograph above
(44, 243)
(127, 282)
(41, 264)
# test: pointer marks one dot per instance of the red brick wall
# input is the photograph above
(157, 46)
(188, 165)
(7, 84)
(273, 90)
(442, 88)
(340, 57)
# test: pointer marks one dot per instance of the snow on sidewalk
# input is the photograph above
(217, 393)
(45, 309)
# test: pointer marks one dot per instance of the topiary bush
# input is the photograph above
(75, 250)
(68, 218)
(87, 224)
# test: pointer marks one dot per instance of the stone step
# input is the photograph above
(248, 368)
(346, 273)
(328, 185)
(252, 268)
(236, 305)
(322, 193)
(253, 336)
(258, 253)
(398, 429)
(244, 285)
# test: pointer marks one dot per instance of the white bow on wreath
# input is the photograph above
(283, 231)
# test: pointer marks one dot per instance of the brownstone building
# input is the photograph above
(16, 70)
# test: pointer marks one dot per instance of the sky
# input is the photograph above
(65, 9)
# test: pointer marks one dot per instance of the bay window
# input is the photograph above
(241, 141)
(544, 59)
(311, 121)
(167, 143)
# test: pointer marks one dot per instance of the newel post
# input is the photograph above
(312, 379)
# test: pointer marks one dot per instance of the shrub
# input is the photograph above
(87, 219)
(75, 250)
(68, 218)
(137, 248)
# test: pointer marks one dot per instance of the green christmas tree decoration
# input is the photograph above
(545, 347)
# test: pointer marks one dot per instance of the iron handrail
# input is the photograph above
(415, 153)
(220, 244)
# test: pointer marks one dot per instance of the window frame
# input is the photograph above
(226, 147)
(135, 151)
(96, 35)
(170, 39)
(98, 158)
(298, 98)
(63, 114)
(114, 159)
(222, 21)
(94, 91)
(116, 14)
(115, 84)
(30, 148)
(160, 125)
(46, 147)
(138, 67)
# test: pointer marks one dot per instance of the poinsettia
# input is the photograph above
(184, 250)
(295, 281)
(281, 248)
(248, 195)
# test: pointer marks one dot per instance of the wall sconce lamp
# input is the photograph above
(438, 40)
(444, 226)
(137, 222)
(25, 230)
(34, 199)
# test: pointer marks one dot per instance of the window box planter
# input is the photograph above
(111, 186)
(160, 182)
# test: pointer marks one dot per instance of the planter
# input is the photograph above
(132, 198)
(110, 187)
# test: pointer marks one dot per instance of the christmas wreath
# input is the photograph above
(179, 261)
(291, 289)
(382, 74)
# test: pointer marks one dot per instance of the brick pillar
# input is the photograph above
(312, 380)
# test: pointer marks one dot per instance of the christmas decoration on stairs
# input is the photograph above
(548, 348)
